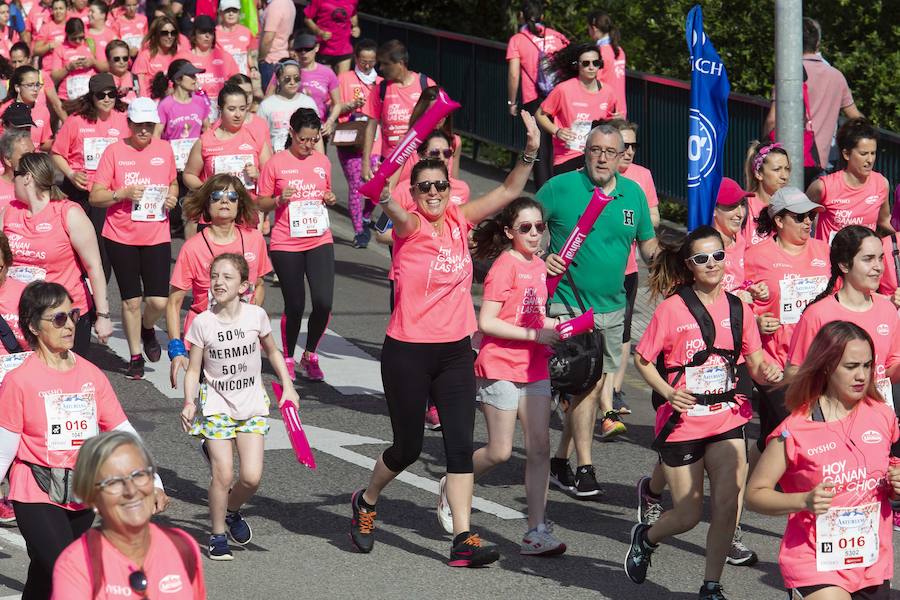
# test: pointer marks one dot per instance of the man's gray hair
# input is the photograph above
(605, 129)
(9, 139)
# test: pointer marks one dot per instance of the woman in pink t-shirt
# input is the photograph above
(767, 169)
(833, 461)
(215, 63)
(606, 35)
(136, 184)
(511, 369)
(132, 27)
(575, 104)
(25, 87)
(99, 33)
(72, 63)
(183, 112)
(114, 475)
(127, 83)
(237, 39)
(700, 422)
(296, 184)
(52, 32)
(857, 194)
(158, 50)
(227, 341)
(427, 349)
(333, 22)
(49, 406)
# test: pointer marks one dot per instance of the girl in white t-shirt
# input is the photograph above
(225, 342)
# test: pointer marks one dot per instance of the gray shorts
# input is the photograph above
(612, 324)
(504, 395)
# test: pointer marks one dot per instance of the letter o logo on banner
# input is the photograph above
(701, 148)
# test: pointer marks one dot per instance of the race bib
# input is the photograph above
(93, 150)
(796, 294)
(886, 389)
(182, 149)
(581, 129)
(308, 218)
(847, 537)
(10, 362)
(234, 164)
(71, 419)
(134, 41)
(151, 206)
(27, 273)
(77, 85)
(708, 379)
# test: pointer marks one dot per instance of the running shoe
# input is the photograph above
(152, 349)
(238, 528)
(362, 526)
(361, 240)
(291, 368)
(562, 477)
(218, 548)
(586, 482)
(432, 419)
(135, 369)
(7, 515)
(540, 541)
(649, 507)
(711, 590)
(897, 520)
(445, 517)
(739, 554)
(309, 367)
(469, 551)
(637, 561)
(611, 425)
(619, 403)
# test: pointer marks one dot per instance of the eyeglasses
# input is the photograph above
(799, 218)
(138, 583)
(34, 86)
(290, 79)
(167, 33)
(632, 145)
(524, 228)
(441, 185)
(59, 319)
(446, 153)
(309, 140)
(220, 195)
(587, 63)
(114, 486)
(701, 258)
(123, 59)
(105, 95)
(607, 153)
(305, 50)
(365, 63)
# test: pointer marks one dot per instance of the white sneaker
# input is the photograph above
(540, 541)
(445, 517)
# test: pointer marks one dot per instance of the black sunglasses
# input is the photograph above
(110, 94)
(441, 185)
(219, 195)
(632, 145)
(120, 59)
(446, 153)
(526, 227)
(799, 218)
(290, 79)
(59, 319)
(588, 63)
(167, 33)
(138, 583)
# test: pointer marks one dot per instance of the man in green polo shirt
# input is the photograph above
(599, 274)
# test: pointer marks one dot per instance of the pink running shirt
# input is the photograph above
(218, 66)
(75, 83)
(755, 206)
(573, 107)
(238, 42)
(82, 142)
(230, 156)
(846, 205)
(734, 265)
(394, 112)
(889, 276)
(613, 73)
(333, 16)
(527, 48)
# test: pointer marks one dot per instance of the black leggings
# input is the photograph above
(83, 335)
(317, 265)
(771, 412)
(444, 372)
(47, 530)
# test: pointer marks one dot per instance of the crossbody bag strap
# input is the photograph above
(93, 543)
(896, 254)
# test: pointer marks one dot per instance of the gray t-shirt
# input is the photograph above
(277, 111)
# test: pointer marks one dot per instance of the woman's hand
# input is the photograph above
(179, 362)
(286, 195)
(895, 298)
(759, 291)
(565, 134)
(251, 171)
(187, 414)
(818, 500)
(681, 401)
(768, 324)
(555, 265)
(513, 109)
(329, 198)
(79, 179)
(325, 35)
(171, 202)
(771, 372)
(327, 128)
(160, 500)
(135, 192)
(289, 395)
(894, 480)
(103, 328)
(547, 337)
(532, 133)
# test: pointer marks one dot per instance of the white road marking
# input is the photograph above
(13, 538)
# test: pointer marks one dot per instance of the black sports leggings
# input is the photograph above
(444, 372)
(317, 265)
(47, 530)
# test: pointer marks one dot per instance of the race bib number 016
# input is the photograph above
(71, 420)
(308, 218)
(796, 294)
(847, 537)
(151, 206)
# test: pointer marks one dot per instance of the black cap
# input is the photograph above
(101, 82)
(18, 115)
(204, 23)
(304, 40)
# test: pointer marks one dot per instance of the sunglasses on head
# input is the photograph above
(701, 258)
(446, 153)
(441, 185)
(524, 228)
(587, 63)
(799, 218)
(105, 94)
(220, 195)
(59, 319)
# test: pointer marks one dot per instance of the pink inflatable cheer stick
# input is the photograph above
(598, 202)
(442, 107)
(295, 430)
(580, 324)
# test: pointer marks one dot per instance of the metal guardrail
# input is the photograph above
(473, 71)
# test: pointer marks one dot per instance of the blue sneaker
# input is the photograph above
(218, 548)
(238, 528)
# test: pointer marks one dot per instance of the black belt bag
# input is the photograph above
(55, 481)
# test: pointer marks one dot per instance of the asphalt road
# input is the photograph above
(301, 517)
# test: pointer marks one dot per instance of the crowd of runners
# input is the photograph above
(130, 123)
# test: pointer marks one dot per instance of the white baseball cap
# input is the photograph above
(226, 4)
(143, 110)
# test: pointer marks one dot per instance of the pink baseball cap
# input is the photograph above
(730, 192)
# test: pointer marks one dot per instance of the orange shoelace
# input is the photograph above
(367, 521)
(473, 540)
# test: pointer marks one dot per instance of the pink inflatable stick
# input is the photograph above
(442, 107)
(295, 430)
(580, 324)
(598, 202)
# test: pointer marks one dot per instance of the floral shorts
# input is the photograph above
(220, 426)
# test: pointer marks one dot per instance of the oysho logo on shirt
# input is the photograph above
(170, 584)
(821, 449)
(841, 201)
(218, 61)
(43, 227)
(726, 323)
(871, 437)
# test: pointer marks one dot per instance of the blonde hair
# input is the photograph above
(41, 168)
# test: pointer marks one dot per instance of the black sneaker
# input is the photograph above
(218, 548)
(562, 477)
(238, 528)
(739, 554)
(637, 561)
(362, 526)
(586, 482)
(711, 590)
(468, 551)
(135, 369)
(151, 345)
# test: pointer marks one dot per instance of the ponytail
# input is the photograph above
(159, 86)
(604, 23)
(532, 11)
(669, 270)
(490, 238)
(765, 223)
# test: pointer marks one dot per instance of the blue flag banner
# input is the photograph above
(708, 122)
